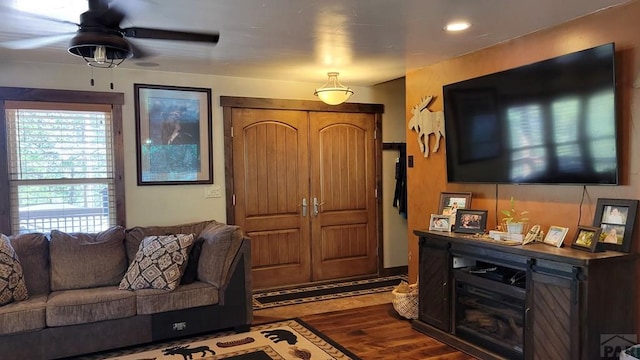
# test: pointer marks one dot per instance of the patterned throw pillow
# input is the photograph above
(159, 263)
(12, 286)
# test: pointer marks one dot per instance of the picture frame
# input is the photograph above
(471, 221)
(450, 202)
(586, 238)
(616, 218)
(440, 222)
(555, 235)
(173, 135)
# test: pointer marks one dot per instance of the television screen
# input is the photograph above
(550, 122)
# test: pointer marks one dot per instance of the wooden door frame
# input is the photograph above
(230, 102)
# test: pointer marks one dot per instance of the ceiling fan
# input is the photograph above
(100, 40)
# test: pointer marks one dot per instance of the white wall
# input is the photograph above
(392, 95)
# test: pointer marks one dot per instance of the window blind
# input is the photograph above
(61, 171)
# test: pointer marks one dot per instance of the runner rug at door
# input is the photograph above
(273, 298)
(282, 340)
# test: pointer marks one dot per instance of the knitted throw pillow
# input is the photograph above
(12, 286)
(159, 263)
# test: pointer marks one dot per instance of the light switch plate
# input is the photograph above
(213, 191)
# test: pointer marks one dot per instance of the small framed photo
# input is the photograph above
(555, 235)
(586, 238)
(616, 218)
(471, 221)
(440, 222)
(450, 202)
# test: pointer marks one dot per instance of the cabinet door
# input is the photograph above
(550, 317)
(434, 289)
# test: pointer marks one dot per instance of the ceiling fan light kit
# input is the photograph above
(333, 92)
(100, 49)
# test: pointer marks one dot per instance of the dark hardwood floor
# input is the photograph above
(378, 332)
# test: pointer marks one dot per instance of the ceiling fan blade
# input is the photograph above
(138, 52)
(144, 33)
(27, 15)
(35, 42)
(112, 17)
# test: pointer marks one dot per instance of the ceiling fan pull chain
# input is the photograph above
(92, 81)
(111, 79)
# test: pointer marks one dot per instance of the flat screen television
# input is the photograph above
(550, 122)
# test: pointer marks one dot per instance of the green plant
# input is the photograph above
(511, 215)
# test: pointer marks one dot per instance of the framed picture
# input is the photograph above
(450, 202)
(586, 238)
(471, 221)
(555, 235)
(173, 135)
(440, 222)
(616, 218)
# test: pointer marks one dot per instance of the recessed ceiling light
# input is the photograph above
(457, 26)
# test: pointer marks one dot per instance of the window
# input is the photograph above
(62, 169)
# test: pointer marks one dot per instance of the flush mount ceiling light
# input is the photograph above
(333, 92)
(101, 49)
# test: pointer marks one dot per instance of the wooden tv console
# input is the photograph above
(534, 301)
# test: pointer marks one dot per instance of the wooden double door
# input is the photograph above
(304, 184)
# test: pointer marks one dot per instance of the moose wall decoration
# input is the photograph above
(425, 122)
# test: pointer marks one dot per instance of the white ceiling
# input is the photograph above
(367, 41)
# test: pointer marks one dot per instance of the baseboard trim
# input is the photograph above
(393, 271)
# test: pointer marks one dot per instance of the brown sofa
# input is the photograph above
(75, 305)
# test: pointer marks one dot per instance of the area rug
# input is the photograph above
(273, 298)
(282, 340)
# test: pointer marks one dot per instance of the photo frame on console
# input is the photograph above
(173, 135)
(586, 238)
(471, 221)
(616, 219)
(440, 222)
(450, 202)
(555, 236)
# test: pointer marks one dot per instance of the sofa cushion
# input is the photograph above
(159, 263)
(151, 301)
(134, 235)
(70, 307)
(22, 316)
(191, 270)
(221, 243)
(12, 286)
(33, 251)
(82, 260)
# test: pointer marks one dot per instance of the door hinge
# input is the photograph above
(375, 134)
(375, 193)
(233, 199)
(232, 131)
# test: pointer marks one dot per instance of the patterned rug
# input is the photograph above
(263, 299)
(282, 340)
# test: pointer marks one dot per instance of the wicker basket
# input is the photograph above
(406, 304)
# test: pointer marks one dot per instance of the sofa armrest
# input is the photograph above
(220, 245)
(237, 288)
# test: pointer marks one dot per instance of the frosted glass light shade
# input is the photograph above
(333, 92)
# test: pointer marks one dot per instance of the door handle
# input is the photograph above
(304, 207)
(316, 205)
